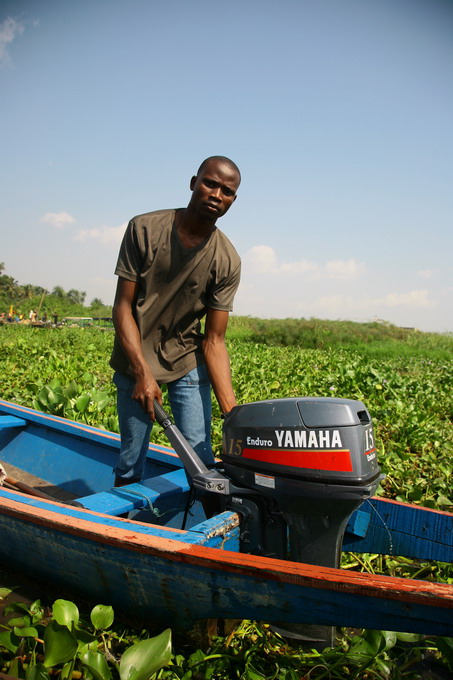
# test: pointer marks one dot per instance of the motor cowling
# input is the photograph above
(318, 439)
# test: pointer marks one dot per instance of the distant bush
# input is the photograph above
(373, 338)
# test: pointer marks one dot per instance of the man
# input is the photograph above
(175, 267)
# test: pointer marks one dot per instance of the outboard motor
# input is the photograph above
(308, 463)
(295, 470)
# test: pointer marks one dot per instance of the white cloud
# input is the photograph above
(58, 220)
(339, 305)
(413, 299)
(263, 260)
(330, 304)
(427, 273)
(343, 269)
(110, 236)
(298, 267)
(273, 297)
(9, 29)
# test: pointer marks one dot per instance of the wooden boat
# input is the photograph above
(65, 524)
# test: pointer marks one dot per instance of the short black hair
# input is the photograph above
(220, 159)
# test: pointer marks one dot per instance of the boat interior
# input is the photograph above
(73, 463)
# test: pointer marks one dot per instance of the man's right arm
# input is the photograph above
(146, 388)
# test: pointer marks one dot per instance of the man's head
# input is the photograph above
(223, 160)
(214, 187)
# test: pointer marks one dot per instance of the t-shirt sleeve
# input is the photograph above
(222, 295)
(130, 258)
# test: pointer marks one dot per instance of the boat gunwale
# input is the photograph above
(120, 532)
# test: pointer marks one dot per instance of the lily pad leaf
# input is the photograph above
(82, 403)
(140, 661)
(60, 645)
(97, 664)
(65, 613)
(37, 672)
(28, 631)
(102, 616)
(9, 640)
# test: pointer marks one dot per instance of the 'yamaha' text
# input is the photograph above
(313, 439)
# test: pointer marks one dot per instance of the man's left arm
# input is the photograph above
(217, 359)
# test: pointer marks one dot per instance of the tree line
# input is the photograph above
(23, 297)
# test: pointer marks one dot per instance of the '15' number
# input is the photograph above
(235, 448)
(369, 439)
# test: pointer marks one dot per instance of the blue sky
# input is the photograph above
(338, 112)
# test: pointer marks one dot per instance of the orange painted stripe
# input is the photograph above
(335, 460)
(421, 508)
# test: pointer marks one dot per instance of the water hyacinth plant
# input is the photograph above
(403, 377)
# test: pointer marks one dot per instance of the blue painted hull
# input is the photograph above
(159, 573)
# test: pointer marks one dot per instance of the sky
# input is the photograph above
(339, 114)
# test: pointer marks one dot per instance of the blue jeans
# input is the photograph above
(190, 401)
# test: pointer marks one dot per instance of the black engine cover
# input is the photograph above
(317, 439)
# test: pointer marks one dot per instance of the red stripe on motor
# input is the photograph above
(336, 460)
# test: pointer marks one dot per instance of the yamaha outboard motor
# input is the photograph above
(308, 463)
(295, 470)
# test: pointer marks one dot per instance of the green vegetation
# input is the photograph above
(404, 377)
(376, 338)
(36, 643)
(65, 371)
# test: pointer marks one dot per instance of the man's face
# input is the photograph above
(214, 189)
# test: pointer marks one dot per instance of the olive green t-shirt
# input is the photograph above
(176, 287)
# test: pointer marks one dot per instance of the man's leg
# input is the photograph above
(135, 429)
(190, 401)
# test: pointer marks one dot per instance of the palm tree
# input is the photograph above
(8, 285)
(28, 291)
(58, 291)
(76, 296)
(39, 290)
